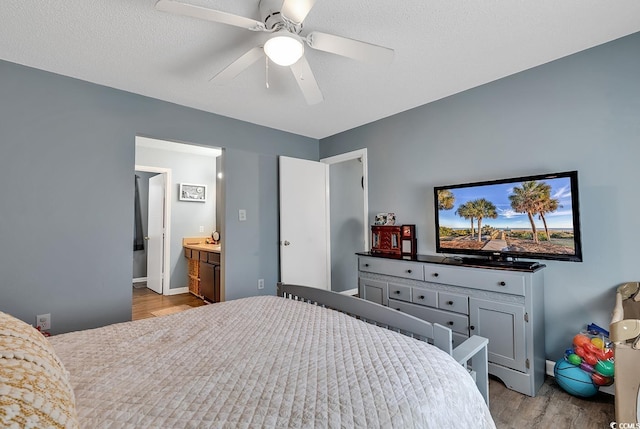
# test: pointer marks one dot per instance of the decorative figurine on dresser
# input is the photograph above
(386, 239)
(398, 240)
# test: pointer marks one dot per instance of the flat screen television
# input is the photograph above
(532, 217)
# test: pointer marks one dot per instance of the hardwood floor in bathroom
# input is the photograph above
(145, 301)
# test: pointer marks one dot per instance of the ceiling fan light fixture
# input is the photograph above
(284, 48)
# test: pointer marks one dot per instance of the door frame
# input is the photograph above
(166, 263)
(348, 156)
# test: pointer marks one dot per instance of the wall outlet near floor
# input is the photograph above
(43, 321)
(201, 228)
(260, 283)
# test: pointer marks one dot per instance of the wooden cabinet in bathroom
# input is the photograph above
(203, 274)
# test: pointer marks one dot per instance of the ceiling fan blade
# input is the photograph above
(234, 69)
(351, 48)
(297, 10)
(306, 81)
(209, 15)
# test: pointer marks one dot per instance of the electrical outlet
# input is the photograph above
(201, 228)
(242, 215)
(260, 283)
(43, 321)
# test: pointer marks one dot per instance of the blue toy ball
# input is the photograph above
(574, 380)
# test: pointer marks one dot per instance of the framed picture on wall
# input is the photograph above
(191, 192)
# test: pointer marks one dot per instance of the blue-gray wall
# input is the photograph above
(67, 161)
(259, 174)
(581, 112)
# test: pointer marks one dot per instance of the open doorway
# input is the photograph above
(174, 164)
(348, 212)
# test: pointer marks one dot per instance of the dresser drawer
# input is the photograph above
(424, 297)
(401, 292)
(453, 302)
(409, 270)
(500, 281)
(456, 322)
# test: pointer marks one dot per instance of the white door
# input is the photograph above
(155, 233)
(304, 223)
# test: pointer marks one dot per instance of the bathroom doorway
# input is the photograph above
(180, 163)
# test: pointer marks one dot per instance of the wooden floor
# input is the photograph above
(145, 301)
(551, 408)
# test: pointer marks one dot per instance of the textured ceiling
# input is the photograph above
(441, 48)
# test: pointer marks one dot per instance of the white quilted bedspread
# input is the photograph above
(264, 362)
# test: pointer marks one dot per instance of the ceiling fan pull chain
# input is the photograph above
(266, 71)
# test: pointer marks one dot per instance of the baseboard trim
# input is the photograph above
(611, 390)
(351, 292)
(139, 280)
(177, 291)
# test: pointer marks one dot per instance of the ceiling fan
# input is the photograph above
(285, 44)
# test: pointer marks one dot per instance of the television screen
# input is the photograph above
(534, 217)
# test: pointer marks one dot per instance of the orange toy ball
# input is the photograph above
(590, 358)
(590, 348)
(581, 340)
(605, 354)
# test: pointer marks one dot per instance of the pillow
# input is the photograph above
(35, 391)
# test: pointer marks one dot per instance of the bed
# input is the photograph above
(269, 362)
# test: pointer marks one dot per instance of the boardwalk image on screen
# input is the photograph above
(525, 217)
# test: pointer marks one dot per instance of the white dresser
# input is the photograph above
(505, 305)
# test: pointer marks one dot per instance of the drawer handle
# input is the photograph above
(502, 284)
(450, 323)
(366, 265)
(421, 297)
(450, 302)
(397, 292)
(409, 271)
(472, 327)
(435, 274)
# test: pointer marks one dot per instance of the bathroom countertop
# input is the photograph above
(200, 243)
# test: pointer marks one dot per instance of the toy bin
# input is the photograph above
(625, 335)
